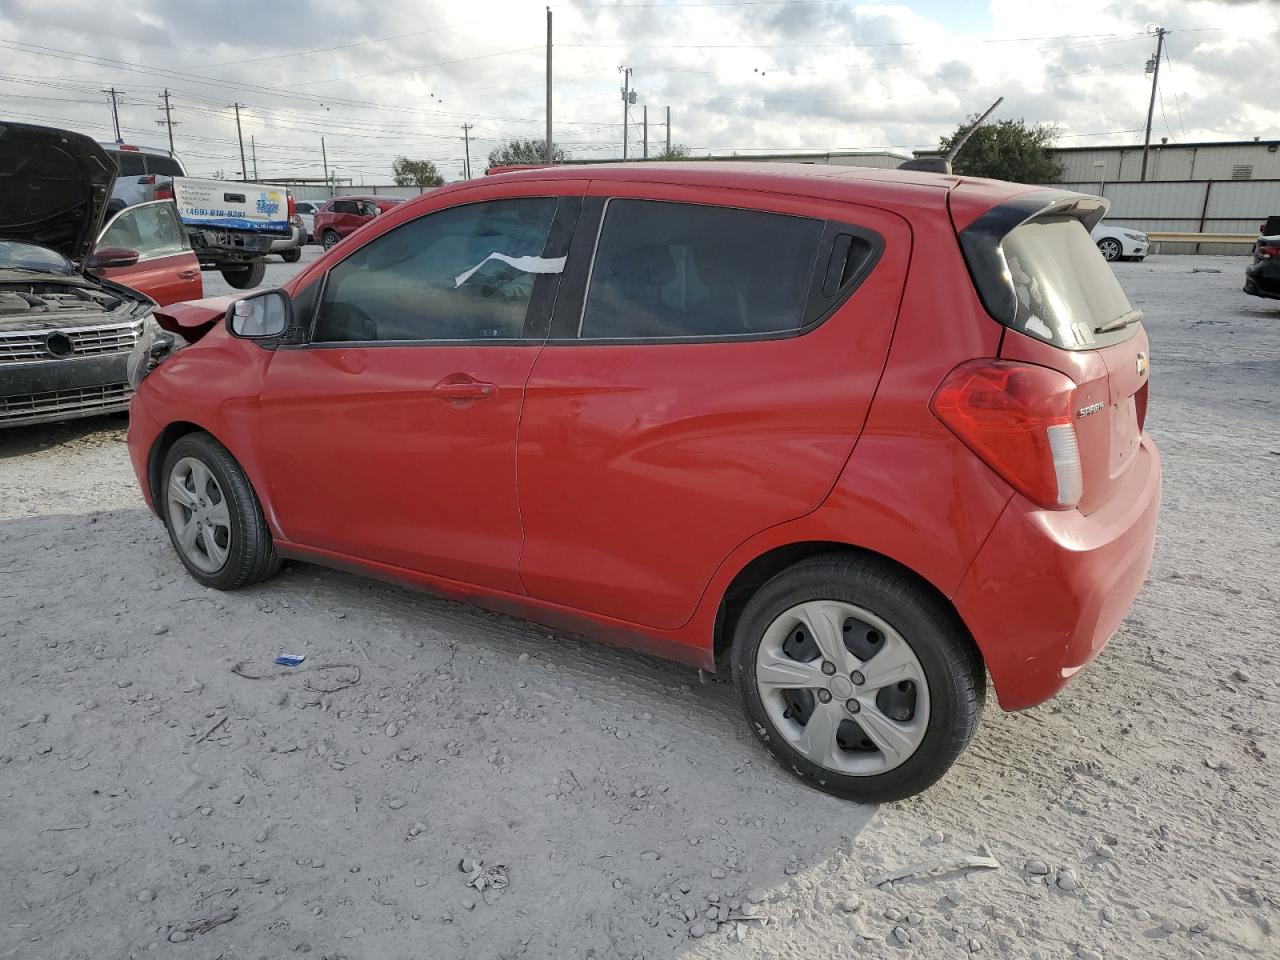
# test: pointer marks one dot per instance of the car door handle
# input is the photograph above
(189, 274)
(465, 390)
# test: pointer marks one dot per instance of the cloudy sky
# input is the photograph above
(401, 77)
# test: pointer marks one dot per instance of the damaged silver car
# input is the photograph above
(65, 336)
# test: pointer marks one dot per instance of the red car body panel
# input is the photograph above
(621, 492)
(165, 280)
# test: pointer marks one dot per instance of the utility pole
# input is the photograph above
(466, 139)
(646, 131)
(550, 156)
(1154, 66)
(254, 147)
(324, 158)
(168, 120)
(668, 131)
(244, 171)
(626, 103)
(115, 110)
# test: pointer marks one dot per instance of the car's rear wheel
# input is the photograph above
(213, 516)
(858, 679)
(1110, 249)
(329, 238)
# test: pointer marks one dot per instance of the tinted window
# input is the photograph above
(164, 166)
(682, 270)
(345, 206)
(1064, 288)
(405, 285)
(303, 207)
(152, 229)
(130, 163)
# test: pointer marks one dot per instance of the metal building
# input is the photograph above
(1217, 160)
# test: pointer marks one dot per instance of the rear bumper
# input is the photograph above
(52, 390)
(297, 238)
(1049, 588)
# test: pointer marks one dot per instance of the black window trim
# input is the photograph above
(831, 229)
(567, 205)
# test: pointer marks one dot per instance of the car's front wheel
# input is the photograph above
(213, 516)
(245, 277)
(857, 678)
(291, 256)
(1110, 249)
(329, 238)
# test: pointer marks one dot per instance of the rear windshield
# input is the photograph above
(1066, 292)
(164, 166)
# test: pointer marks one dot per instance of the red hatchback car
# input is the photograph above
(342, 216)
(861, 436)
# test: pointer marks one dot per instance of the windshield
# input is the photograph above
(1066, 292)
(15, 254)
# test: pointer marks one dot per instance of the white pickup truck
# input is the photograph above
(233, 225)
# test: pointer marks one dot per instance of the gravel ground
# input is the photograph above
(166, 791)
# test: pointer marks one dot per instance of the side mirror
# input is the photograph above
(105, 258)
(261, 316)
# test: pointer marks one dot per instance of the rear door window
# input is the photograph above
(666, 270)
(1066, 293)
(345, 206)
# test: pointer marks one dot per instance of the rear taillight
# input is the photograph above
(165, 191)
(293, 206)
(1268, 250)
(1018, 418)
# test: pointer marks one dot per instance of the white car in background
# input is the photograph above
(307, 211)
(1120, 243)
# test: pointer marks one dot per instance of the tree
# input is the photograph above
(678, 152)
(416, 173)
(1007, 150)
(517, 152)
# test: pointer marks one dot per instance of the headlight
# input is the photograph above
(152, 347)
(1140, 237)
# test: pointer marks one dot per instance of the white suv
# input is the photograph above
(141, 169)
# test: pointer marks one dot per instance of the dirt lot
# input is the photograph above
(156, 799)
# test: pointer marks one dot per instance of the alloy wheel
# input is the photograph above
(199, 515)
(1110, 249)
(842, 687)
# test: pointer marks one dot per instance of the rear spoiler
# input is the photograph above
(980, 241)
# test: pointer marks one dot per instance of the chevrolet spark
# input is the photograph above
(861, 437)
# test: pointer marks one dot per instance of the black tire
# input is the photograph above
(251, 556)
(329, 238)
(1110, 249)
(951, 663)
(245, 277)
(292, 256)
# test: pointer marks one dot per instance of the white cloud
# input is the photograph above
(737, 76)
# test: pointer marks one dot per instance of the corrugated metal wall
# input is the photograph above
(1196, 206)
(1248, 161)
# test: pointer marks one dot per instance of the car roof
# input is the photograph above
(872, 185)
